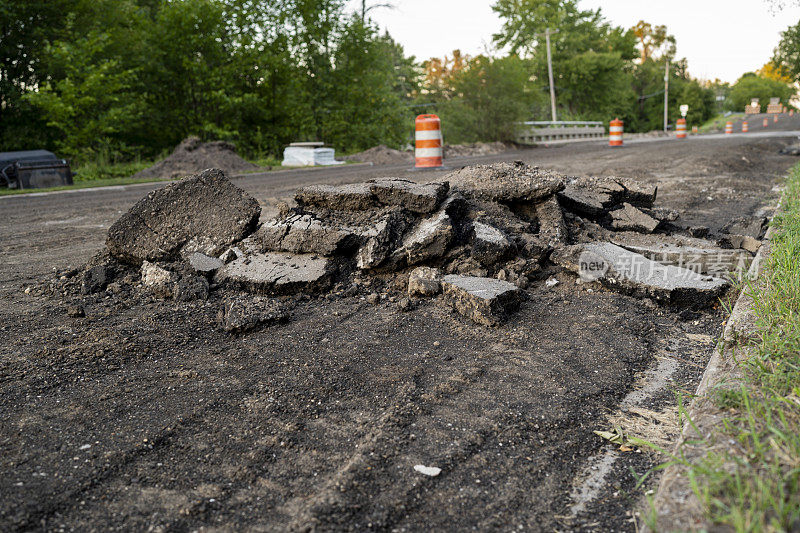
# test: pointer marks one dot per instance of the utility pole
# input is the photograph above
(666, 95)
(550, 75)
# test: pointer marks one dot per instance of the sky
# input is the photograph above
(719, 38)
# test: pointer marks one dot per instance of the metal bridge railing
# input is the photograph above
(542, 131)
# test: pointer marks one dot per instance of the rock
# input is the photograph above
(506, 182)
(432, 471)
(792, 149)
(489, 245)
(629, 272)
(485, 301)
(160, 281)
(418, 198)
(754, 227)
(629, 218)
(552, 228)
(428, 240)
(277, 273)
(662, 214)
(373, 298)
(242, 315)
(698, 231)
(203, 264)
(95, 279)
(583, 201)
(230, 254)
(551, 282)
(743, 242)
(704, 258)
(405, 305)
(351, 197)
(596, 195)
(380, 240)
(203, 213)
(75, 311)
(424, 281)
(302, 234)
(190, 288)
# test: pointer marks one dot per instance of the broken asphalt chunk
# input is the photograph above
(277, 273)
(419, 198)
(506, 182)
(202, 213)
(625, 271)
(629, 218)
(485, 301)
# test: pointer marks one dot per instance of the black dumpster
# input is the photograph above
(33, 169)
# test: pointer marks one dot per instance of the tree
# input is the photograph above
(486, 100)
(751, 85)
(787, 54)
(654, 41)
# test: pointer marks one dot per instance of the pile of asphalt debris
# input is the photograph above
(476, 240)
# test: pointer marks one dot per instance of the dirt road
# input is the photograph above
(144, 416)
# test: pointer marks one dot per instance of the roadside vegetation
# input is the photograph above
(107, 82)
(755, 484)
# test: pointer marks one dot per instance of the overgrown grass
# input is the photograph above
(755, 484)
(717, 123)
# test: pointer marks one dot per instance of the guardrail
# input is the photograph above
(542, 131)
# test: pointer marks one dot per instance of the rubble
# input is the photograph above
(699, 255)
(424, 281)
(277, 273)
(489, 245)
(742, 242)
(417, 198)
(203, 264)
(204, 213)
(629, 218)
(754, 227)
(486, 301)
(480, 237)
(506, 182)
(630, 272)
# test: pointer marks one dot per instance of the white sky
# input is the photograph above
(720, 38)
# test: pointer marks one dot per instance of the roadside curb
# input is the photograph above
(676, 505)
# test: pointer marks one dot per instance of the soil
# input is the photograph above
(381, 155)
(192, 156)
(143, 414)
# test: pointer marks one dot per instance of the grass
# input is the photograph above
(718, 123)
(755, 484)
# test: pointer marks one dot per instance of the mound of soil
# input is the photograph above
(193, 156)
(382, 155)
(469, 150)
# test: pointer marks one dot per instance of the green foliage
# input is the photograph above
(787, 54)
(751, 86)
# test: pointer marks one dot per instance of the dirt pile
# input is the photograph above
(473, 149)
(192, 156)
(382, 155)
(480, 238)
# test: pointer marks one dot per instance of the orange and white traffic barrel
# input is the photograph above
(728, 127)
(765, 123)
(791, 112)
(775, 119)
(680, 128)
(694, 130)
(428, 141)
(745, 127)
(615, 132)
